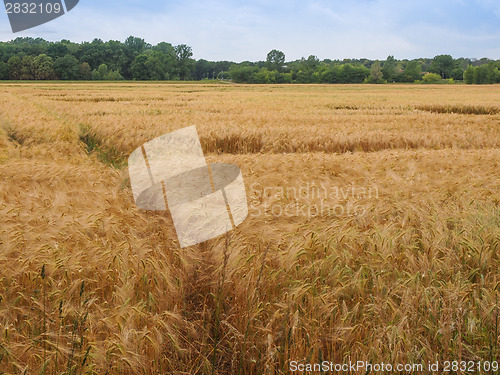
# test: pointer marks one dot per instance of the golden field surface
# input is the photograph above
(373, 231)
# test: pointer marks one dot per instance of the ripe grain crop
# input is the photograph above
(373, 231)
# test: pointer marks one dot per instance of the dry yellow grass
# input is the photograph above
(403, 268)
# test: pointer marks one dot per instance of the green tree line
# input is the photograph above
(135, 59)
(440, 69)
(37, 59)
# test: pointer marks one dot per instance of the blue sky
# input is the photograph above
(248, 30)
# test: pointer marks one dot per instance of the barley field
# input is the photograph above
(373, 231)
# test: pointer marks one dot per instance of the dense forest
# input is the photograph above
(135, 59)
